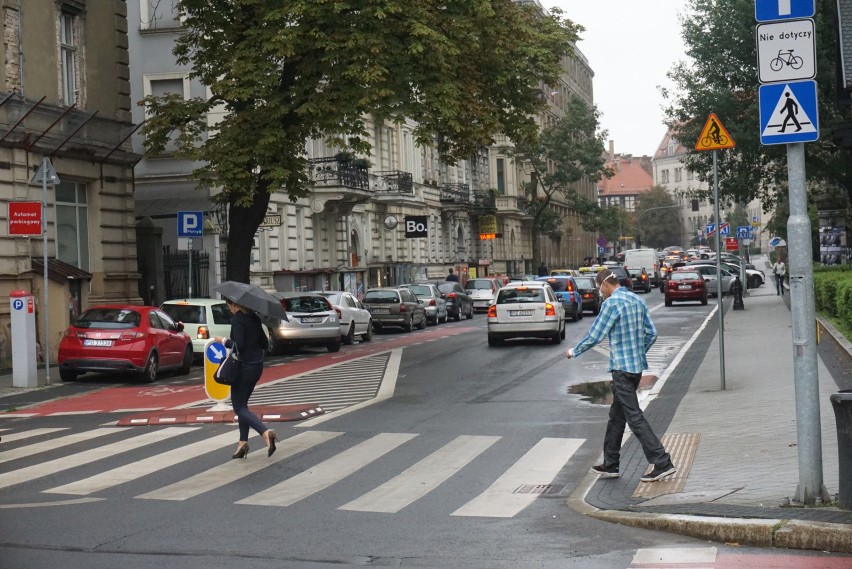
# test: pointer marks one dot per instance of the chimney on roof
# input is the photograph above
(611, 150)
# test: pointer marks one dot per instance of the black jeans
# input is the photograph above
(625, 410)
(240, 393)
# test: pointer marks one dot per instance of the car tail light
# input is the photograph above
(70, 332)
(339, 313)
(587, 295)
(549, 310)
(125, 336)
(433, 303)
(492, 311)
(452, 296)
(203, 333)
(402, 308)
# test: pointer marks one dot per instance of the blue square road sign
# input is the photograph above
(190, 224)
(788, 112)
(769, 10)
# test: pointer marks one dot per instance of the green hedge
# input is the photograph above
(833, 292)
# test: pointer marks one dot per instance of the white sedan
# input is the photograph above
(526, 310)
(355, 320)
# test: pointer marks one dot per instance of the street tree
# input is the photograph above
(720, 76)
(283, 73)
(569, 151)
(658, 222)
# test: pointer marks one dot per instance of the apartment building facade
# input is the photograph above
(65, 96)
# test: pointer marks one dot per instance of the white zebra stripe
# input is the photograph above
(59, 443)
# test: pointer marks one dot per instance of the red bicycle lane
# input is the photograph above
(154, 397)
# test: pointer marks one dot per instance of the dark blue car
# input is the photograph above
(566, 290)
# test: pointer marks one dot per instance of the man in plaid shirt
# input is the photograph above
(624, 319)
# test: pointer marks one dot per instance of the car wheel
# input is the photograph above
(562, 334)
(271, 346)
(579, 313)
(368, 335)
(409, 325)
(557, 338)
(494, 340)
(187, 361)
(67, 375)
(755, 281)
(423, 323)
(149, 374)
(704, 300)
(596, 311)
(470, 314)
(457, 316)
(333, 346)
(668, 302)
(574, 315)
(349, 338)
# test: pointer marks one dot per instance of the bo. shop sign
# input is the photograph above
(24, 218)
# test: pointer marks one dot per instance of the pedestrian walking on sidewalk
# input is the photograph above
(778, 269)
(452, 277)
(625, 320)
(251, 342)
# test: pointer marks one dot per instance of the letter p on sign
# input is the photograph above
(190, 223)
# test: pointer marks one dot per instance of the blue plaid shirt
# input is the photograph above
(624, 318)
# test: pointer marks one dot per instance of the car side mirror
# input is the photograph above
(179, 326)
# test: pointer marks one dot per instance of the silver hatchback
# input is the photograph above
(526, 310)
(312, 321)
(396, 307)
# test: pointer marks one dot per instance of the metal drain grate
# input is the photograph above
(534, 489)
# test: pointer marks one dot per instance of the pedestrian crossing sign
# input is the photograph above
(714, 135)
(788, 112)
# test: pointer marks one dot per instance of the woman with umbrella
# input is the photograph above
(250, 341)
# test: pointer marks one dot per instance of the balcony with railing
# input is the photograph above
(513, 206)
(484, 202)
(393, 186)
(342, 180)
(455, 196)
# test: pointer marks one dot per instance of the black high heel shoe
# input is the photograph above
(271, 438)
(242, 452)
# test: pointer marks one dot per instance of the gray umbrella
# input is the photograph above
(252, 297)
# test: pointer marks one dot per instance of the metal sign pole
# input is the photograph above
(189, 252)
(46, 353)
(719, 269)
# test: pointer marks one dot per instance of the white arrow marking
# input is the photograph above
(219, 355)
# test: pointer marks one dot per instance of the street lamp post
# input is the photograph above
(639, 219)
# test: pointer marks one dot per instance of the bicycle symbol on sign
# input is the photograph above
(714, 134)
(786, 58)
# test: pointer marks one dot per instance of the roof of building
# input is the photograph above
(59, 271)
(632, 176)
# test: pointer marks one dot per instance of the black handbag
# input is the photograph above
(228, 372)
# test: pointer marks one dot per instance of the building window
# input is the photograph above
(72, 224)
(664, 176)
(501, 176)
(690, 175)
(162, 84)
(159, 14)
(68, 43)
(678, 174)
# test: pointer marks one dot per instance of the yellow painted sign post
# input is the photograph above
(714, 135)
(214, 353)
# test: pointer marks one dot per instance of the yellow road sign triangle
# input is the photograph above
(714, 135)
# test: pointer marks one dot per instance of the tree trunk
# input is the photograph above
(243, 223)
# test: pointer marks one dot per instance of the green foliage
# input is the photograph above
(658, 219)
(833, 292)
(285, 72)
(721, 77)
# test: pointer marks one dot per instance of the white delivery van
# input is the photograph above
(647, 258)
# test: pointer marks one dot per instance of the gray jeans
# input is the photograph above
(625, 410)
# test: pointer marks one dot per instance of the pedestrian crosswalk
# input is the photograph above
(659, 356)
(91, 462)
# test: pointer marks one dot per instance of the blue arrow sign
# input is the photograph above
(190, 224)
(788, 112)
(768, 10)
(215, 352)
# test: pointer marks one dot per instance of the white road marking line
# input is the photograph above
(233, 470)
(538, 466)
(142, 467)
(658, 556)
(53, 466)
(423, 477)
(328, 472)
(28, 434)
(61, 442)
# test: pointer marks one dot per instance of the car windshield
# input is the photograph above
(558, 285)
(381, 297)
(307, 304)
(478, 284)
(420, 290)
(186, 313)
(333, 297)
(685, 276)
(110, 318)
(519, 295)
(585, 282)
(635, 272)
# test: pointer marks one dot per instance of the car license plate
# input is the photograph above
(97, 343)
(520, 313)
(380, 311)
(311, 320)
(684, 287)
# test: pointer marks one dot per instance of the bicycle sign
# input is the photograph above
(786, 51)
(714, 135)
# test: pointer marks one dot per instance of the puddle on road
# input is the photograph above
(596, 392)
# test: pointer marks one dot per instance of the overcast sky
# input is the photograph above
(630, 45)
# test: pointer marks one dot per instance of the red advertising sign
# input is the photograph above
(24, 218)
(731, 244)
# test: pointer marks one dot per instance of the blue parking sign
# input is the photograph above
(190, 224)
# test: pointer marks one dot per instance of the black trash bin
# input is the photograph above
(842, 403)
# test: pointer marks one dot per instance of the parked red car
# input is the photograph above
(684, 284)
(124, 338)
